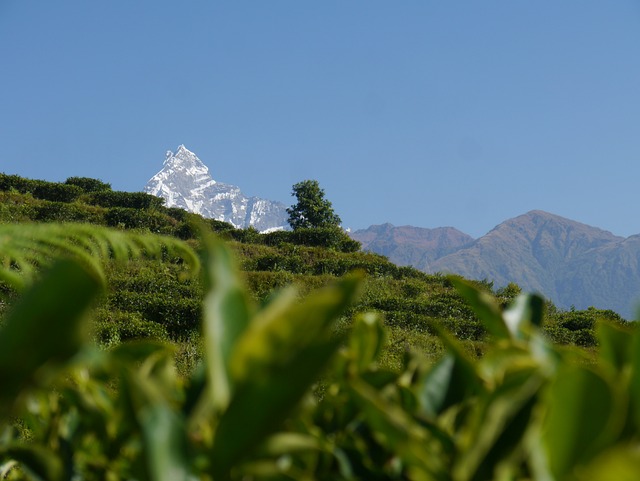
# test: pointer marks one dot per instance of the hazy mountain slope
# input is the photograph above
(608, 276)
(552, 255)
(414, 246)
(184, 181)
(571, 263)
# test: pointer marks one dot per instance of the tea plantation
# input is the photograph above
(208, 365)
(153, 299)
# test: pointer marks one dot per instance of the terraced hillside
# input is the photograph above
(151, 298)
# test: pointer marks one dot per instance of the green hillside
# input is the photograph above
(152, 299)
(268, 383)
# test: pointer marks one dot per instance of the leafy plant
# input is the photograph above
(88, 184)
(311, 209)
(150, 427)
(281, 394)
(136, 200)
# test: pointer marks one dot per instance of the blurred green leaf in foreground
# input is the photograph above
(281, 394)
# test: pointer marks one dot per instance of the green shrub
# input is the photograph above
(17, 183)
(132, 200)
(88, 184)
(178, 214)
(186, 231)
(151, 276)
(190, 224)
(466, 330)
(132, 218)
(263, 284)
(413, 322)
(559, 334)
(113, 327)
(249, 235)
(56, 192)
(219, 227)
(411, 289)
(278, 262)
(15, 208)
(177, 315)
(329, 237)
(47, 211)
(277, 238)
(585, 338)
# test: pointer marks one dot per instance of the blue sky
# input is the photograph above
(428, 113)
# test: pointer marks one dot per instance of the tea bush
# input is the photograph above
(16, 183)
(56, 192)
(132, 200)
(113, 327)
(88, 184)
(130, 218)
(47, 211)
(286, 253)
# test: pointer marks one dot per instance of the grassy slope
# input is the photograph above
(153, 299)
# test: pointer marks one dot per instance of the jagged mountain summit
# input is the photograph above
(184, 181)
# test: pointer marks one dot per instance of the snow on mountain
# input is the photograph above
(184, 181)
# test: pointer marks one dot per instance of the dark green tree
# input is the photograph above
(312, 209)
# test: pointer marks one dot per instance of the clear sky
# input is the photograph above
(428, 113)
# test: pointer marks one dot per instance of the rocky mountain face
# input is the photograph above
(184, 181)
(411, 246)
(568, 262)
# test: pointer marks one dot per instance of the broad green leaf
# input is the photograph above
(379, 378)
(194, 390)
(165, 443)
(286, 326)
(366, 340)
(260, 405)
(496, 426)
(276, 360)
(484, 305)
(422, 446)
(162, 428)
(45, 328)
(132, 352)
(287, 443)
(226, 316)
(526, 310)
(37, 461)
(634, 382)
(615, 345)
(437, 390)
(621, 463)
(6, 467)
(584, 416)
(452, 379)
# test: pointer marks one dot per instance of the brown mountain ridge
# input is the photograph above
(571, 263)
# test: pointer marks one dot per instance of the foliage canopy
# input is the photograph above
(312, 209)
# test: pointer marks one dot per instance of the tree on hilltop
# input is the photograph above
(312, 209)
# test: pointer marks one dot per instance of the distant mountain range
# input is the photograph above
(184, 181)
(572, 264)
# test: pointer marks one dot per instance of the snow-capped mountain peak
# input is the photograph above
(184, 181)
(186, 161)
